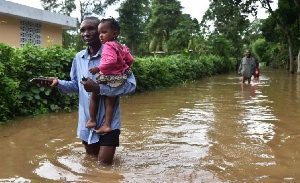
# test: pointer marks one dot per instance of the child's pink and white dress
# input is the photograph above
(115, 64)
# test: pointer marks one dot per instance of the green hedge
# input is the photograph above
(157, 72)
(18, 97)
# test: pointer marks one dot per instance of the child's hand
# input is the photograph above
(94, 70)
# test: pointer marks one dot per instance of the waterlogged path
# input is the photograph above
(212, 130)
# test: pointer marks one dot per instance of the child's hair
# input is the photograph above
(114, 24)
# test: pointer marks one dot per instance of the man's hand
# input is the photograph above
(94, 70)
(54, 83)
(48, 84)
(90, 86)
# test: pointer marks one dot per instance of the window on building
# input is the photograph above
(30, 32)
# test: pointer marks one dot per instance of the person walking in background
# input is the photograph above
(247, 67)
(113, 70)
(101, 145)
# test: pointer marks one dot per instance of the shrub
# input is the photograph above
(19, 97)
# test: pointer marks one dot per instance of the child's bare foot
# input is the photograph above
(103, 129)
(90, 124)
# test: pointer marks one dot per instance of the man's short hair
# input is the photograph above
(92, 19)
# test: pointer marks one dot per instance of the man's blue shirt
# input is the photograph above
(80, 67)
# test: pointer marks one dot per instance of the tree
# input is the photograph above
(182, 38)
(284, 17)
(297, 3)
(229, 20)
(260, 49)
(284, 24)
(86, 7)
(217, 44)
(65, 7)
(253, 32)
(164, 18)
(133, 17)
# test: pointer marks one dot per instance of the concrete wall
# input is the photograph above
(51, 24)
(10, 32)
(51, 34)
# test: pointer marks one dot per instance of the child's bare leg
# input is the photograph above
(93, 110)
(109, 110)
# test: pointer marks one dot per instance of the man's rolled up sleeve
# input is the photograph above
(125, 89)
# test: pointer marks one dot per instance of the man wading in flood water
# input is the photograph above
(101, 145)
(247, 67)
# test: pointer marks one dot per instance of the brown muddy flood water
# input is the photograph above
(212, 130)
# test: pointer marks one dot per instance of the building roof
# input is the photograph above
(29, 13)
